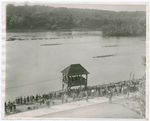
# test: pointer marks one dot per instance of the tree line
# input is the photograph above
(111, 23)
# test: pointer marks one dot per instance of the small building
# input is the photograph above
(74, 75)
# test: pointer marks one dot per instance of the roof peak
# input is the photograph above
(75, 69)
(75, 64)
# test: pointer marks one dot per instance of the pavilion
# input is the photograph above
(74, 75)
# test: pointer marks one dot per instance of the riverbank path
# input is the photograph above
(68, 108)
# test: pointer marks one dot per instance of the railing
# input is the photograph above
(75, 82)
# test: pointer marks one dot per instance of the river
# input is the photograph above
(34, 66)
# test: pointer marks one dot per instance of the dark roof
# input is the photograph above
(74, 69)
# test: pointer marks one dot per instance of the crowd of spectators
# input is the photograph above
(117, 88)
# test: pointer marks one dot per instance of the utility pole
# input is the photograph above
(129, 83)
(133, 76)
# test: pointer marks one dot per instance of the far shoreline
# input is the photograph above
(67, 30)
(51, 30)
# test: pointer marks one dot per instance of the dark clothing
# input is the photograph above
(43, 101)
(14, 105)
(24, 100)
(21, 100)
(11, 106)
(28, 99)
(36, 98)
(5, 107)
(110, 96)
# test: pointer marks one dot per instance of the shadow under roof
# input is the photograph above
(74, 69)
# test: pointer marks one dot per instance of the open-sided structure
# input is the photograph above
(74, 75)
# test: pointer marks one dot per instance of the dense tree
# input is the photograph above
(137, 101)
(45, 17)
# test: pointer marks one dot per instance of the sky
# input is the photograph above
(106, 7)
(92, 5)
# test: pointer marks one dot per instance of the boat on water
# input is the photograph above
(11, 39)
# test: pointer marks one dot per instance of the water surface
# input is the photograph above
(34, 66)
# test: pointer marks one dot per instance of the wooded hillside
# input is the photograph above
(111, 23)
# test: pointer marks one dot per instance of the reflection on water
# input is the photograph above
(35, 69)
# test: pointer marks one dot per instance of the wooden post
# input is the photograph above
(62, 82)
(86, 79)
(129, 84)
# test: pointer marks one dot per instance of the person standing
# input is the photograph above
(36, 97)
(28, 99)
(21, 100)
(5, 107)
(73, 96)
(48, 103)
(31, 99)
(65, 97)
(11, 105)
(87, 97)
(18, 102)
(113, 90)
(101, 91)
(107, 87)
(110, 96)
(128, 89)
(92, 93)
(8, 105)
(118, 90)
(24, 100)
(62, 98)
(14, 105)
(41, 102)
(122, 90)
(53, 102)
(16, 99)
(97, 94)
(81, 95)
